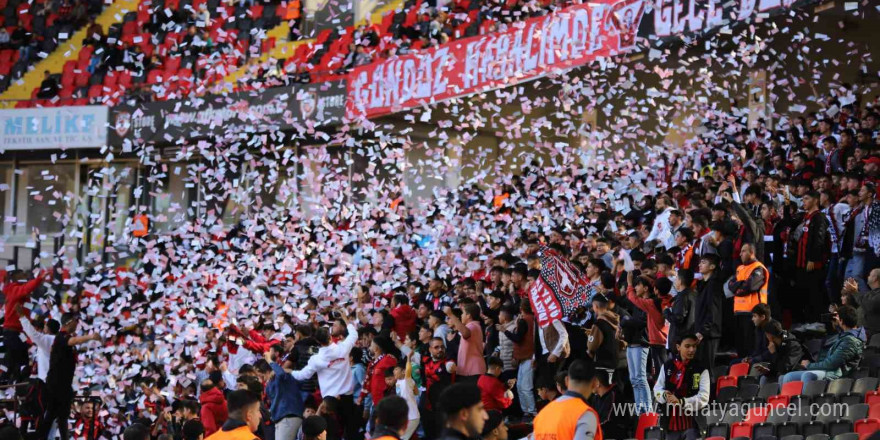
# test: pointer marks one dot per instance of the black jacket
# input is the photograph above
(707, 311)
(787, 357)
(633, 326)
(680, 316)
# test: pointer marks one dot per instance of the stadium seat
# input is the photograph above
(792, 437)
(768, 390)
(851, 398)
(874, 412)
(717, 372)
(715, 438)
(757, 415)
(865, 384)
(814, 388)
(718, 430)
(741, 429)
(792, 388)
(817, 436)
(840, 386)
(814, 427)
(800, 400)
(740, 369)
(787, 429)
(846, 436)
(857, 412)
(725, 381)
(654, 432)
(778, 400)
(866, 427)
(872, 398)
(825, 399)
(747, 380)
(734, 414)
(874, 343)
(766, 437)
(726, 394)
(839, 427)
(714, 415)
(764, 430)
(747, 391)
(646, 420)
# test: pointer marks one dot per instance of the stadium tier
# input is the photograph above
(440, 220)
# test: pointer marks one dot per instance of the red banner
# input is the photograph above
(529, 49)
(560, 289)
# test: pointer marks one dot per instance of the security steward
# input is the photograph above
(391, 418)
(244, 417)
(749, 288)
(569, 417)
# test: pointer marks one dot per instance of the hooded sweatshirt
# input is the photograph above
(213, 413)
(404, 320)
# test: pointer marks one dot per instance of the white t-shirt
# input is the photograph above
(404, 389)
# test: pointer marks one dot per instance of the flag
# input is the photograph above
(559, 290)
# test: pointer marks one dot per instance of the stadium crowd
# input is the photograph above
(409, 322)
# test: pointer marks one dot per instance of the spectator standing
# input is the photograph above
(214, 411)
(59, 379)
(683, 386)
(681, 314)
(707, 310)
(523, 338)
(404, 316)
(286, 401)
(809, 241)
(602, 344)
(332, 366)
(470, 350)
(17, 293)
(749, 288)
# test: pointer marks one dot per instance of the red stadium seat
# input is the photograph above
(111, 79)
(725, 381)
(792, 388)
(874, 411)
(778, 400)
(757, 415)
(125, 79)
(95, 91)
(65, 92)
(82, 79)
(172, 64)
(740, 369)
(646, 420)
(741, 429)
(866, 427)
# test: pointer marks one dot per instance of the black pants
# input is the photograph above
(657, 355)
(57, 410)
(706, 352)
(745, 334)
(812, 294)
(351, 418)
(16, 356)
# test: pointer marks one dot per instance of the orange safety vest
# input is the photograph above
(242, 433)
(558, 420)
(745, 304)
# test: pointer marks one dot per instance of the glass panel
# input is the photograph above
(41, 193)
